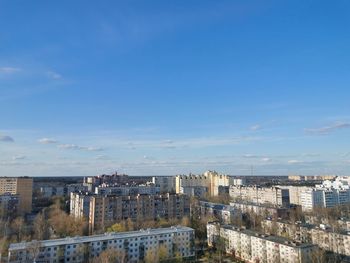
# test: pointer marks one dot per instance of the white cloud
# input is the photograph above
(266, 159)
(250, 156)
(53, 75)
(19, 157)
(255, 127)
(47, 141)
(328, 129)
(6, 138)
(9, 70)
(294, 162)
(77, 147)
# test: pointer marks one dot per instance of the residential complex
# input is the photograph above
(21, 186)
(323, 236)
(260, 195)
(166, 184)
(225, 213)
(251, 246)
(104, 210)
(208, 182)
(132, 246)
(105, 189)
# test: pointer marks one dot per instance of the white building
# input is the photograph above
(123, 190)
(131, 246)
(210, 179)
(260, 195)
(327, 194)
(251, 246)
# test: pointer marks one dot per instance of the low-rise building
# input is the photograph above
(224, 213)
(251, 246)
(130, 246)
(325, 238)
(265, 210)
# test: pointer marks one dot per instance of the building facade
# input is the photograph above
(210, 180)
(104, 210)
(131, 247)
(260, 195)
(21, 186)
(251, 246)
(166, 184)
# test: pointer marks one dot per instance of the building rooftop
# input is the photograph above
(101, 237)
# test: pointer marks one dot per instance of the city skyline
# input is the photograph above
(163, 88)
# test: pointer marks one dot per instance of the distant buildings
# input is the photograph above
(208, 182)
(251, 246)
(166, 184)
(262, 209)
(104, 210)
(127, 190)
(130, 247)
(260, 195)
(327, 194)
(21, 186)
(311, 177)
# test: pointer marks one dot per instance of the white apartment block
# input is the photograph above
(165, 183)
(131, 246)
(127, 190)
(337, 242)
(210, 179)
(260, 195)
(251, 246)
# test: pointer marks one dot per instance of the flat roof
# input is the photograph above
(276, 239)
(101, 237)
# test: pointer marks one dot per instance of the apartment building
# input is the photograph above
(260, 195)
(210, 180)
(166, 184)
(131, 246)
(295, 193)
(262, 209)
(21, 186)
(224, 213)
(8, 205)
(336, 242)
(104, 210)
(251, 246)
(105, 189)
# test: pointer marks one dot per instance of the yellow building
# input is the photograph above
(21, 186)
(210, 179)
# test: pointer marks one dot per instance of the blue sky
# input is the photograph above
(168, 87)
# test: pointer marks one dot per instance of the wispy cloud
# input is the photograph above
(255, 127)
(19, 157)
(53, 75)
(77, 147)
(9, 70)
(266, 159)
(6, 138)
(294, 162)
(328, 129)
(47, 141)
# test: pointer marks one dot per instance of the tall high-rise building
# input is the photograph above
(21, 186)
